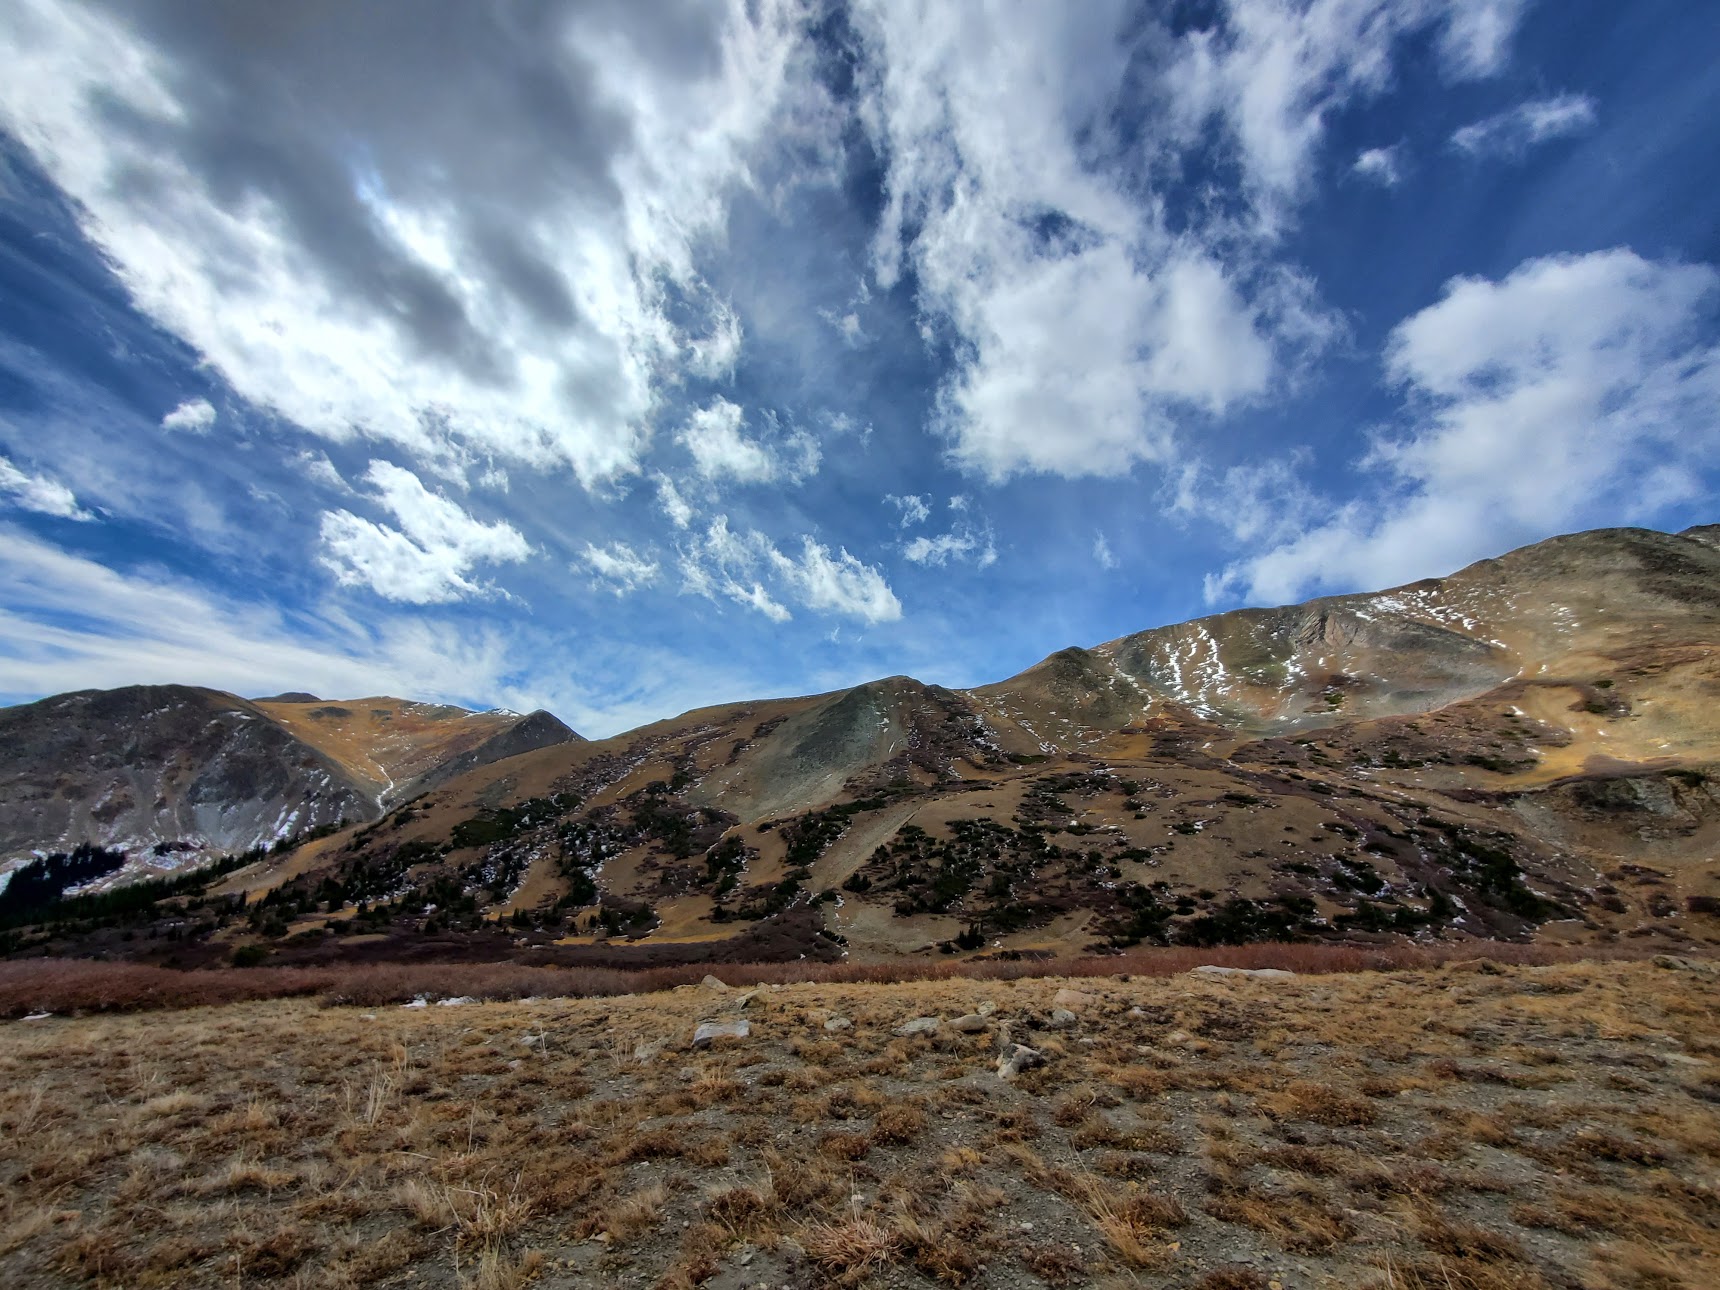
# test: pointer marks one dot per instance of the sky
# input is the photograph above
(625, 356)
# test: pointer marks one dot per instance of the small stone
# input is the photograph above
(918, 1026)
(971, 1024)
(1073, 999)
(838, 1023)
(1063, 1017)
(709, 1031)
(711, 983)
(1019, 1058)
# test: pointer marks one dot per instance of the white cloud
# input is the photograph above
(426, 559)
(911, 510)
(460, 238)
(671, 502)
(1513, 132)
(68, 623)
(194, 416)
(1477, 36)
(319, 469)
(1383, 166)
(1090, 324)
(715, 356)
(715, 437)
(968, 539)
(1572, 389)
(39, 493)
(838, 584)
(620, 566)
(738, 566)
(1102, 552)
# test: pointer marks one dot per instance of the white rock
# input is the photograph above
(838, 1023)
(1019, 1058)
(1264, 974)
(918, 1026)
(711, 983)
(38, 1016)
(419, 1002)
(455, 1002)
(1063, 1017)
(708, 1031)
(986, 1009)
(971, 1024)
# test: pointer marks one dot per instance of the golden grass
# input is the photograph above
(1185, 1132)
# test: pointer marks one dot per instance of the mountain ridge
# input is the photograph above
(1521, 749)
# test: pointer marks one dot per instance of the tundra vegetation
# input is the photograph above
(1417, 1121)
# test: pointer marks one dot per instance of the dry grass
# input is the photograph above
(79, 985)
(1184, 1132)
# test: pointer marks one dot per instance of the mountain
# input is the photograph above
(1524, 749)
(176, 774)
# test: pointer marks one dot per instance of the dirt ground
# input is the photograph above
(1470, 1126)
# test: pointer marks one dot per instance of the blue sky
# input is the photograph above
(621, 357)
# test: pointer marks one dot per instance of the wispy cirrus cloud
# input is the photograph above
(39, 493)
(1513, 132)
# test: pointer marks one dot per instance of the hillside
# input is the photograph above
(174, 774)
(1522, 750)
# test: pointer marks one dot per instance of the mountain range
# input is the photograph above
(1524, 749)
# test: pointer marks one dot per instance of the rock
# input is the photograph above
(1676, 964)
(1063, 1017)
(918, 1026)
(1019, 1058)
(986, 1009)
(838, 1023)
(971, 1024)
(708, 1031)
(455, 1002)
(711, 983)
(38, 1016)
(1073, 999)
(1264, 974)
(741, 1000)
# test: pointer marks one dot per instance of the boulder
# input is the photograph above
(918, 1026)
(711, 983)
(838, 1023)
(1263, 974)
(971, 1024)
(1675, 964)
(1073, 999)
(1063, 1017)
(709, 1031)
(1019, 1058)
